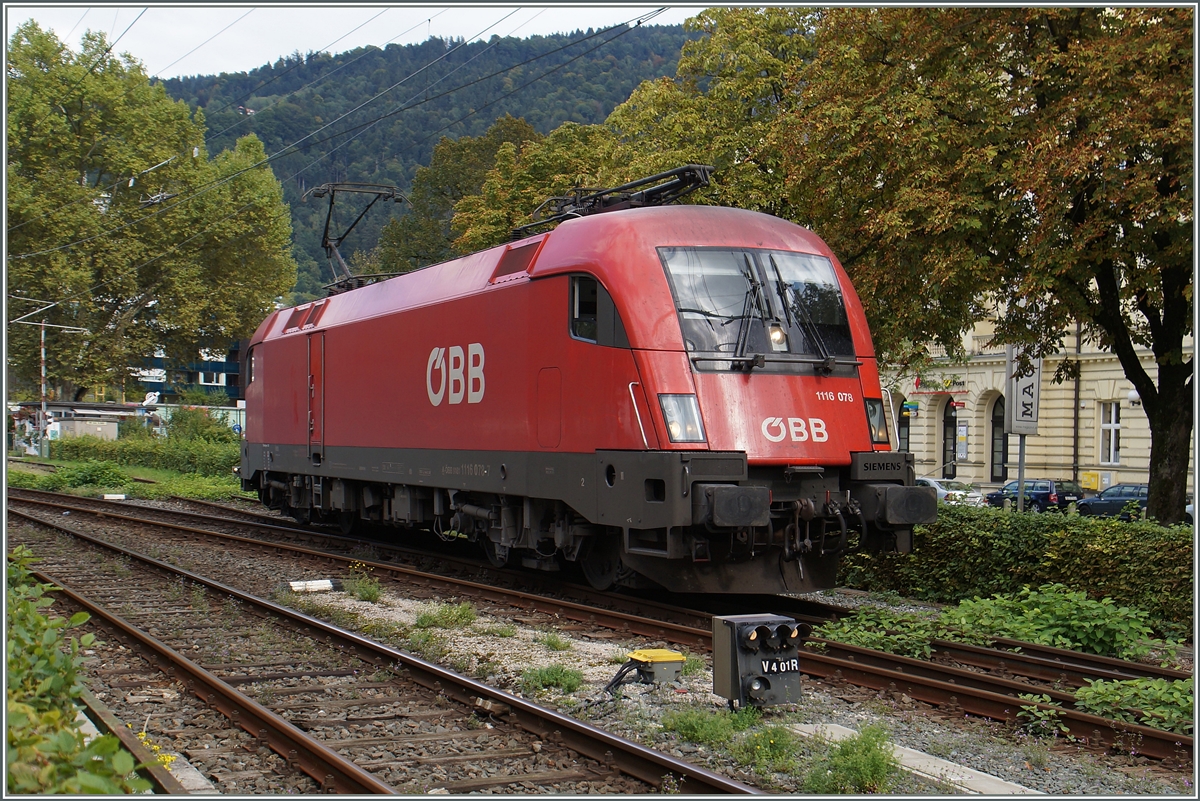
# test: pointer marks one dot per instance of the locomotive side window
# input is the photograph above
(594, 316)
(583, 308)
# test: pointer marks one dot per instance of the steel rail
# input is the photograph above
(635, 760)
(1093, 662)
(619, 621)
(1070, 668)
(948, 695)
(1160, 744)
(333, 772)
(153, 770)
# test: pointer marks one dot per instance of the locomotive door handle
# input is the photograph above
(637, 414)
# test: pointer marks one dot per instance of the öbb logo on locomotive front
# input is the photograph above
(773, 428)
(452, 377)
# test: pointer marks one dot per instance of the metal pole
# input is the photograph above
(1021, 474)
(43, 446)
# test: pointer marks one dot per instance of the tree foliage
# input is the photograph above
(117, 215)
(1032, 164)
(457, 169)
(1027, 165)
(438, 89)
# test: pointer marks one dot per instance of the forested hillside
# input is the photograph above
(411, 96)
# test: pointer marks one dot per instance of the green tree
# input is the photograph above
(117, 216)
(728, 93)
(1033, 164)
(457, 169)
(571, 156)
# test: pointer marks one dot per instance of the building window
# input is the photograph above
(999, 442)
(212, 379)
(1110, 432)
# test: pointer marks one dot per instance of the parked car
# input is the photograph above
(1041, 495)
(1189, 513)
(954, 491)
(1113, 501)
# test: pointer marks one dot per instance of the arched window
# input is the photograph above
(949, 437)
(999, 459)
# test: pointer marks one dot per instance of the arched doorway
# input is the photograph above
(999, 450)
(902, 425)
(949, 437)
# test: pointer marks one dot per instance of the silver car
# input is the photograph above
(954, 491)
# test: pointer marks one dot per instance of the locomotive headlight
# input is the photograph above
(682, 416)
(778, 337)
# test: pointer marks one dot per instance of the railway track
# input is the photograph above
(953, 682)
(300, 695)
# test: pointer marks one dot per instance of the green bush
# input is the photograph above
(46, 751)
(1054, 615)
(861, 764)
(1162, 704)
(93, 473)
(971, 552)
(198, 423)
(882, 629)
(1050, 615)
(180, 455)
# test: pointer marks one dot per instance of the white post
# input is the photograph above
(1021, 474)
(43, 445)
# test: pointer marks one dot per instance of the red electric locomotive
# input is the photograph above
(686, 395)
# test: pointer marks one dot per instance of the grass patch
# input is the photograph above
(428, 644)
(769, 750)
(94, 477)
(361, 584)
(861, 764)
(692, 665)
(504, 630)
(446, 616)
(563, 678)
(710, 727)
(554, 642)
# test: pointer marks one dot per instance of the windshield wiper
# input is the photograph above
(754, 300)
(707, 313)
(827, 362)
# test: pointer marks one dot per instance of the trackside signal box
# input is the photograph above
(756, 658)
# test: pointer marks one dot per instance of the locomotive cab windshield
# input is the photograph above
(785, 309)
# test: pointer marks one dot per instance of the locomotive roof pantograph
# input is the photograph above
(670, 187)
(343, 280)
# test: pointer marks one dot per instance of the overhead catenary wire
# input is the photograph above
(219, 182)
(112, 186)
(265, 161)
(295, 145)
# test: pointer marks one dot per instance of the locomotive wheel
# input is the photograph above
(348, 522)
(601, 562)
(493, 554)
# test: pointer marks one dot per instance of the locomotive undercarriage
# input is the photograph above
(658, 518)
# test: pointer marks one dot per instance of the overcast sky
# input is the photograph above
(235, 38)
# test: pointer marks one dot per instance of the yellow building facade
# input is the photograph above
(1091, 429)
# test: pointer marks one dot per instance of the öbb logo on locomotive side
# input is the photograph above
(774, 429)
(461, 377)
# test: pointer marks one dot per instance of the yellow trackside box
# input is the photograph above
(657, 665)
